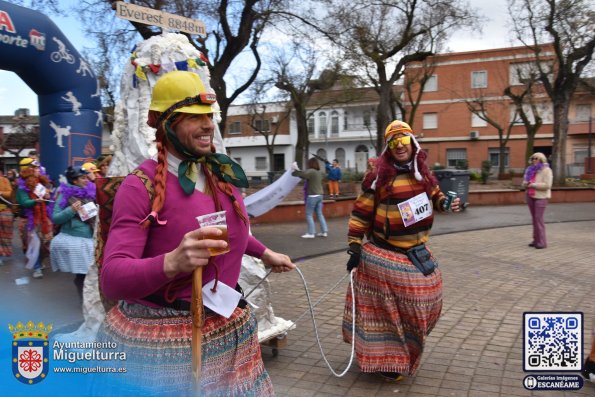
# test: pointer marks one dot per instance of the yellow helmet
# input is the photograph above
(28, 162)
(395, 127)
(89, 167)
(182, 91)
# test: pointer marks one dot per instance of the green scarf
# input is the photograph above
(220, 164)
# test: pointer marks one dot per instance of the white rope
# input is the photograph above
(311, 308)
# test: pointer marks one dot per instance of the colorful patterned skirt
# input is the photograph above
(396, 308)
(158, 350)
(6, 219)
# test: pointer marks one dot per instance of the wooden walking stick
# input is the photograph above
(197, 323)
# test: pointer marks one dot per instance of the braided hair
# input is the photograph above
(213, 183)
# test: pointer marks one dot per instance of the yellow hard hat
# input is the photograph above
(28, 162)
(90, 167)
(396, 127)
(184, 92)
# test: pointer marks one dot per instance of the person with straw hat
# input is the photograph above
(397, 284)
(155, 246)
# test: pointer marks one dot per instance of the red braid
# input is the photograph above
(161, 170)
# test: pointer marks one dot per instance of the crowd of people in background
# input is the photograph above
(45, 212)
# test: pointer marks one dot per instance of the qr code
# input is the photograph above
(553, 341)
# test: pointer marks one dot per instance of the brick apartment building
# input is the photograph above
(451, 132)
(447, 129)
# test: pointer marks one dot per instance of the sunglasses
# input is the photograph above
(534, 158)
(405, 140)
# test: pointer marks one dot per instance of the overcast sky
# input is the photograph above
(15, 94)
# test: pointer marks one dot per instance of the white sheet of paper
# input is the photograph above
(223, 301)
(88, 211)
(40, 190)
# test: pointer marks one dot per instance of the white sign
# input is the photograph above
(88, 211)
(415, 209)
(40, 190)
(268, 198)
(149, 16)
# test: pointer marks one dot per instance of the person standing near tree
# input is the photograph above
(538, 182)
(314, 196)
(397, 284)
(155, 244)
(334, 177)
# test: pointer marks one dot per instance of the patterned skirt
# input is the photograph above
(6, 232)
(396, 308)
(157, 343)
(71, 254)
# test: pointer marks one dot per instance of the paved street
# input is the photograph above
(490, 278)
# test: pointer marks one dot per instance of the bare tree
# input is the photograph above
(260, 117)
(479, 106)
(234, 30)
(380, 38)
(562, 30)
(23, 136)
(416, 78)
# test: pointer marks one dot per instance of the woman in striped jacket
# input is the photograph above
(398, 288)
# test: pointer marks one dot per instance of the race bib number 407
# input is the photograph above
(415, 209)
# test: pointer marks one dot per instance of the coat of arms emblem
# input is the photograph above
(30, 351)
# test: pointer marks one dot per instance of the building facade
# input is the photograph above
(453, 134)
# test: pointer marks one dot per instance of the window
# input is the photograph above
(345, 121)
(340, 156)
(583, 113)
(494, 155)
(367, 118)
(262, 125)
(430, 121)
(235, 128)
(479, 79)
(580, 154)
(431, 84)
(322, 124)
(522, 72)
(477, 121)
(321, 153)
(455, 157)
(260, 163)
(310, 124)
(544, 110)
(238, 160)
(334, 123)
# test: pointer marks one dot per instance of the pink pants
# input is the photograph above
(537, 209)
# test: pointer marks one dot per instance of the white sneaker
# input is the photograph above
(38, 274)
(308, 236)
(325, 234)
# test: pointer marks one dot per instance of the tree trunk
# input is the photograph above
(558, 160)
(383, 117)
(302, 144)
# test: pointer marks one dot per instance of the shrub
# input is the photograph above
(462, 164)
(352, 176)
(475, 176)
(486, 167)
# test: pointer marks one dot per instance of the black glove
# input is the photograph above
(355, 255)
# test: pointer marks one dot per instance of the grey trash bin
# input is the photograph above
(455, 181)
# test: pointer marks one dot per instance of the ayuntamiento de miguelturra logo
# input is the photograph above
(30, 351)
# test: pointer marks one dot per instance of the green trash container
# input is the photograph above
(455, 181)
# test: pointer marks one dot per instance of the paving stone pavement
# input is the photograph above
(490, 278)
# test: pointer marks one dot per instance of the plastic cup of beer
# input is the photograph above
(215, 220)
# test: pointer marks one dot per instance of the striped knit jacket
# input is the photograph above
(386, 224)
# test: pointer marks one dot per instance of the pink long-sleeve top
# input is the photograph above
(133, 257)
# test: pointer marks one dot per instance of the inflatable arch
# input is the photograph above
(70, 118)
